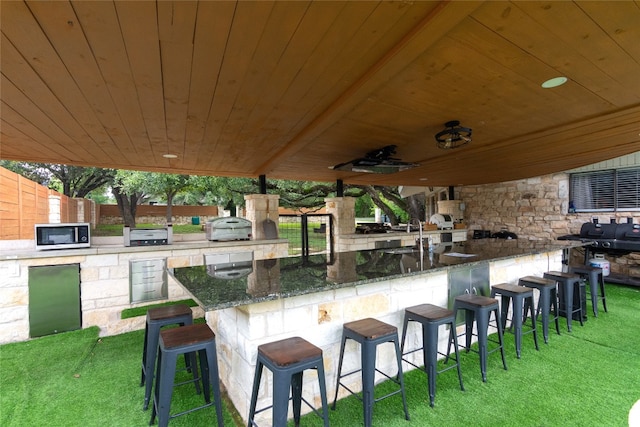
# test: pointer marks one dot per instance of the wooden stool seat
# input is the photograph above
(515, 289)
(429, 312)
(289, 351)
(475, 300)
(287, 359)
(168, 312)
(175, 337)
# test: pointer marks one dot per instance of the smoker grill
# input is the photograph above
(613, 238)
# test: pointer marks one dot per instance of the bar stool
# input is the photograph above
(480, 308)
(179, 314)
(566, 284)
(370, 333)
(287, 359)
(548, 298)
(431, 317)
(180, 341)
(595, 276)
(517, 295)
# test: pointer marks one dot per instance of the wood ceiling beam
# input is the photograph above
(441, 19)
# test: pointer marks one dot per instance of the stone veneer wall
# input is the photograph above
(104, 282)
(537, 209)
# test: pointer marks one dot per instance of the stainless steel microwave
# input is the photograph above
(62, 236)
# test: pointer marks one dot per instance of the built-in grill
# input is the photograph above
(228, 228)
(613, 238)
(372, 228)
(147, 236)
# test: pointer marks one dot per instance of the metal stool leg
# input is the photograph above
(533, 321)
(517, 324)
(368, 359)
(254, 394)
(430, 355)
(500, 339)
(482, 322)
(335, 399)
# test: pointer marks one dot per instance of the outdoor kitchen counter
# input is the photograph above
(273, 279)
(314, 297)
(106, 246)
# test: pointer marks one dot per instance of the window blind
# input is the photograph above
(608, 190)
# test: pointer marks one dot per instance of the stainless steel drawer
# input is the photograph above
(148, 280)
(148, 265)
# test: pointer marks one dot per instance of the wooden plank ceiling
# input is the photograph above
(290, 88)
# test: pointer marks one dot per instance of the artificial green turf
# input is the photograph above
(78, 379)
(590, 377)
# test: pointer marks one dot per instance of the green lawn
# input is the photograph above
(105, 230)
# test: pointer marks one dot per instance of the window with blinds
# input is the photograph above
(605, 191)
(628, 189)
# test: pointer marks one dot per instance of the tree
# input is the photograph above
(221, 191)
(72, 181)
(140, 185)
(127, 205)
(310, 195)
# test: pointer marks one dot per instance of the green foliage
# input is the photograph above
(132, 188)
(152, 183)
(400, 212)
(72, 181)
(364, 206)
(215, 190)
(100, 197)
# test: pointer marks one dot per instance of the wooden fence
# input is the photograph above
(24, 203)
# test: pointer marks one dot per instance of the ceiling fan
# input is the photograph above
(453, 136)
(376, 161)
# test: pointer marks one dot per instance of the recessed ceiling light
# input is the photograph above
(424, 179)
(170, 156)
(554, 82)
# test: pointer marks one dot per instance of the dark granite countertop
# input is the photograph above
(255, 281)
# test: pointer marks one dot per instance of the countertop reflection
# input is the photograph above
(270, 279)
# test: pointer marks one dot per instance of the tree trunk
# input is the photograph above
(169, 207)
(416, 207)
(127, 206)
(375, 196)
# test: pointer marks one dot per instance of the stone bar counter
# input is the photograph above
(259, 301)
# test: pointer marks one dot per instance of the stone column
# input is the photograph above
(261, 207)
(54, 210)
(343, 210)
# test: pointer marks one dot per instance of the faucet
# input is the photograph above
(420, 239)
